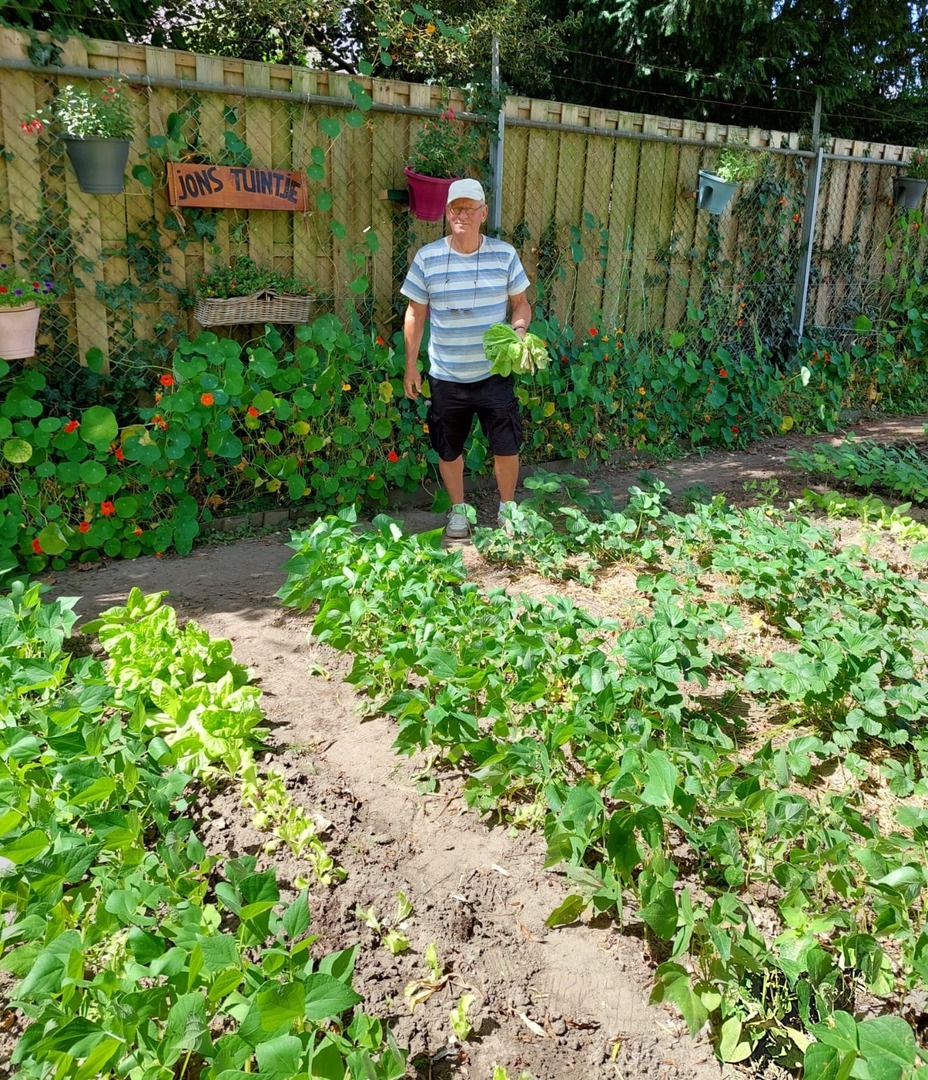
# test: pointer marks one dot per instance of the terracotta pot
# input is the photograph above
(18, 327)
(427, 195)
(100, 164)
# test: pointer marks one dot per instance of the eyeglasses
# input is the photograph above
(464, 211)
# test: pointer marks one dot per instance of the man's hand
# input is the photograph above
(412, 383)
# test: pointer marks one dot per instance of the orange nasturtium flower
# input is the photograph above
(252, 411)
(380, 340)
(393, 456)
(723, 374)
(207, 399)
(37, 547)
(119, 454)
(166, 380)
(84, 527)
(107, 509)
(138, 530)
(71, 425)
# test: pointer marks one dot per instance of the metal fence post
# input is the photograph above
(494, 224)
(810, 213)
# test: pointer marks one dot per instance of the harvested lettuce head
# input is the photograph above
(508, 353)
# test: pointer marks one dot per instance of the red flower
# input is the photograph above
(71, 425)
(119, 454)
(252, 411)
(795, 217)
(380, 340)
(84, 527)
(594, 331)
(36, 547)
(393, 456)
(166, 380)
(107, 509)
(206, 399)
(4, 289)
(138, 530)
(735, 429)
(723, 373)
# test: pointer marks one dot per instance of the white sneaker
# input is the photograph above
(458, 527)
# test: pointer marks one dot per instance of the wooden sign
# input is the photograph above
(239, 186)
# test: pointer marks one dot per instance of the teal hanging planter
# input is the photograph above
(908, 192)
(714, 193)
(100, 164)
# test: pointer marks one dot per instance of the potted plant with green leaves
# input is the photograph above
(244, 292)
(909, 187)
(446, 149)
(96, 128)
(22, 296)
(736, 164)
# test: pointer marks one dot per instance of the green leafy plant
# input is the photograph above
(737, 164)
(19, 290)
(446, 147)
(244, 277)
(508, 353)
(80, 113)
(917, 165)
(392, 934)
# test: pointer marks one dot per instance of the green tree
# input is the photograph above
(752, 61)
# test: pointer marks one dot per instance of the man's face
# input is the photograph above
(465, 216)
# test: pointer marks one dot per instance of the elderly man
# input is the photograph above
(463, 284)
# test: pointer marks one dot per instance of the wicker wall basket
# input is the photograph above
(266, 306)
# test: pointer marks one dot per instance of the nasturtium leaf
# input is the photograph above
(52, 539)
(330, 126)
(338, 229)
(98, 425)
(17, 451)
(263, 401)
(355, 119)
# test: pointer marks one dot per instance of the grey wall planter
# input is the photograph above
(100, 164)
(714, 192)
(908, 192)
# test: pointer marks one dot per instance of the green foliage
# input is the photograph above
(508, 353)
(17, 290)
(100, 113)
(446, 148)
(917, 165)
(868, 466)
(312, 426)
(244, 277)
(608, 737)
(737, 164)
(131, 951)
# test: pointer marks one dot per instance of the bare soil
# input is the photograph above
(560, 1004)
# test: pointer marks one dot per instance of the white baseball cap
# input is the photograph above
(466, 189)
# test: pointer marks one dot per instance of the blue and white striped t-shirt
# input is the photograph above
(466, 294)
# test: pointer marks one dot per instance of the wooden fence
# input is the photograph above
(599, 202)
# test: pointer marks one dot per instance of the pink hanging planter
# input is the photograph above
(427, 195)
(18, 328)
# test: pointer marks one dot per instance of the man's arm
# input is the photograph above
(413, 329)
(521, 312)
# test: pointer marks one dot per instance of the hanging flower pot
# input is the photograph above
(18, 328)
(714, 192)
(96, 126)
(100, 164)
(908, 192)
(427, 195)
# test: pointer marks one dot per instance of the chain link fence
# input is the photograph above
(603, 207)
